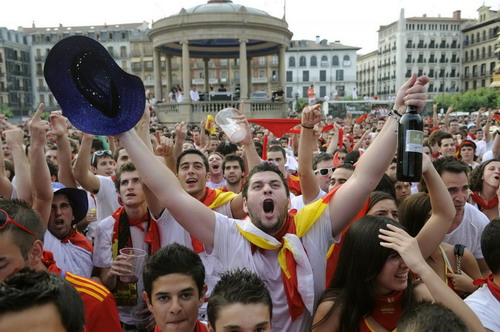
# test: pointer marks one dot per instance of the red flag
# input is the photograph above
(361, 118)
(496, 116)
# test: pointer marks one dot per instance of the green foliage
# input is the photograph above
(469, 101)
(6, 111)
(300, 104)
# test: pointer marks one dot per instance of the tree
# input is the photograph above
(6, 111)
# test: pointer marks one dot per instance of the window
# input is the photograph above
(304, 91)
(322, 91)
(347, 61)
(339, 75)
(289, 76)
(322, 75)
(110, 50)
(335, 60)
(289, 91)
(291, 61)
(305, 76)
(302, 61)
(123, 51)
(324, 61)
(314, 61)
(262, 60)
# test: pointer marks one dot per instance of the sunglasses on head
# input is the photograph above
(100, 153)
(5, 220)
(324, 171)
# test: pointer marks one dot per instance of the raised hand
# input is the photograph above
(311, 115)
(413, 92)
(58, 123)
(38, 128)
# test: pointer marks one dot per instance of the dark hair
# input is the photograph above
(22, 212)
(127, 167)
(173, 258)
(53, 169)
(386, 184)
(378, 196)
(238, 286)
(489, 245)
(476, 176)
(95, 157)
(226, 148)
(192, 151)
(27, 289)
(426, 316)
(435, 137)
(414, 212)
(117, 152)
(259, 148)
(442, 137)
(233, 157)
(275, 148)
(450, 164)
(9, 166)
(351, 157)
(352, 287)
(264, 167)
(97, 144)
(319, 158)
(346, 166)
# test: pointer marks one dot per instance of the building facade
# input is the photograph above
(366, 74)
(330, 67)
(15, 71)
(479, 41)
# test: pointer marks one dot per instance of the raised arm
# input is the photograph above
(359, 143)
(195, 217)
(374, 162)
(83, 175)
(40, 175)
(334, 143)
(14, 140)
(447, 117)
(487, 135)
(397, 239)
(5, 184)
(180, 136)
(60, 129)
(308, 182)
(443, 210)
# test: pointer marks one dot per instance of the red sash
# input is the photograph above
(78, 239)
(482, 204)
(494, 289)
(50, 263)
(387, 312)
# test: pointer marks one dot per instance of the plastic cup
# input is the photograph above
(136, 257)
(234, 131)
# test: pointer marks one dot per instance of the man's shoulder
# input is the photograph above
(474, 216)
(89, 290)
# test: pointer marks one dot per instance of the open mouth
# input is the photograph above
(215, 167)
(130, 195)
(268, 206)
(402, 276)
(58, 222)
(191, 181)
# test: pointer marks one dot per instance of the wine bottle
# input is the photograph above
(410, 140)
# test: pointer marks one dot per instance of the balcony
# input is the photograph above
(40, 58)
(42, 89)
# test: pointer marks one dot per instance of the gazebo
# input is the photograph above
(219, 29)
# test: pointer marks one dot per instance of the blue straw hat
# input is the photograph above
(95, 94)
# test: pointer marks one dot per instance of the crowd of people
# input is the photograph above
(305, 231)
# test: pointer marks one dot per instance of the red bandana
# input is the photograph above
(78, 240)
(494, 289)
(482, 204)
(199, 327)
(387, 312)
(152, 237)
(50, 263)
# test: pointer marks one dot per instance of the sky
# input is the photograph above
(352, 22)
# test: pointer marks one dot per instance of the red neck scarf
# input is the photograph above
(482, 204)
(494, 288)
(78, 240)
(121, 233)
(50, 263)
(388, 310)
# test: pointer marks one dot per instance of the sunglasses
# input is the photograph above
(5, 220)
(324, 171)
(100, 153)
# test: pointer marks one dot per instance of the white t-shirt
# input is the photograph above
(486, 307)
(216, 185)
(234, 251)
(106, 199)
(298, 204)
(103, 257)
(469, 231)
(68, 256)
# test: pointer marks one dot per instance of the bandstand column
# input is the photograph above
(243, 70)
(186, 84)
(249, 77)
(157, 73)
(168, 65)
(205, 68)
(281, 67)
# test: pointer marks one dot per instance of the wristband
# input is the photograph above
(395, 113)
(306, 126)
